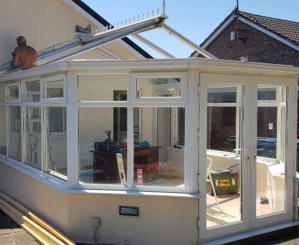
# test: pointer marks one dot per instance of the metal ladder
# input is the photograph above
(33, 139)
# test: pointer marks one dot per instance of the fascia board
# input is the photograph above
(203, 65)
(84, 13)
(163, 65)
(269, 33)
(215, 35)
(35, 72)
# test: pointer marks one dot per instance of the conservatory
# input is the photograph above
(173, 151)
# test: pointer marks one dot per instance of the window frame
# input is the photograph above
(237, 105)
(23, 82)
(42, 104)
(7, 87)
(43, 81)
(280, 103)
(171, 99)
(132, 103)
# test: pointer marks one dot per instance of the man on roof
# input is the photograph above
(25, 54)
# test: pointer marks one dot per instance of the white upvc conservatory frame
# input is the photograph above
(7, 87)
(249, 219)
(196, 107)
(131, 103)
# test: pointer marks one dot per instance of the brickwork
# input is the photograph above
(257, 47)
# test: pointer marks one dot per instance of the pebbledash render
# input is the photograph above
(141, 152)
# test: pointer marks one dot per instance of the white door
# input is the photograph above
(273, 155)
(248, 156)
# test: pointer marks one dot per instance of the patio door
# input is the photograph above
(272, 158)
(246, 158)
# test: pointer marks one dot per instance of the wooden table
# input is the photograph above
(145, 158)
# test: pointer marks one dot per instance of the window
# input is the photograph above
(270, 119)
(31, 91)
(2, 93)
(125, 142)
(3, 130)
(271, 147)
(57, 120)
(223, 157)
(13, 92)
(36, 132)
(54, 89)
(102, 88)
(223, 107)
(158, 159)
(15, 137)
(158, 87)
(56, 141)
(100, 145)
(33, 138)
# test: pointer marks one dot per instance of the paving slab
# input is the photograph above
(12, 234)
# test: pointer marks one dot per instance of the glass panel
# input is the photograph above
(33, 137)
(102, 88)
(31, 91)
(266, 94)
(222, 95)
(12, 92)
(3, 130)
(223, 177)
(158, 158)
(270, 163)
(15, 139)
(2, 93)
(222, 128)
(54, 89)
(56, 142)
(267, 131)
(158, 87)
(103, 152)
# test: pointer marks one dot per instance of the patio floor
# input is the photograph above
(229, 209)
(12, 234)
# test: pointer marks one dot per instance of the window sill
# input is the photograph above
(65, 187)
(133, 193)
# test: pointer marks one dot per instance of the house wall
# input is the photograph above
(258, 47)
(45, 23)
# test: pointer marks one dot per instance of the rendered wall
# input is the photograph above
(36, 196)
(45, 23)
(162, 220)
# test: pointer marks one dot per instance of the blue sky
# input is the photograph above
(195, 19)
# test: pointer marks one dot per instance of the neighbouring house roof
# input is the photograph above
(104, 22)
(283, 30)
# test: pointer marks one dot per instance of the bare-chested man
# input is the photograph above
(25, 54)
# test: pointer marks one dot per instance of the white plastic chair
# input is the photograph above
(210, 180)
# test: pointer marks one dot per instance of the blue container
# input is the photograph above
(266, 147)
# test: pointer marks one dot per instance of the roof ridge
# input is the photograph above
(269, 17)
